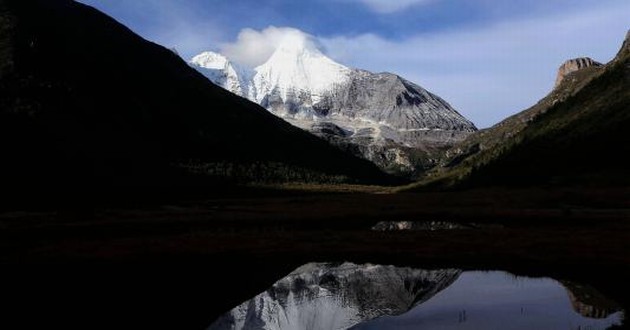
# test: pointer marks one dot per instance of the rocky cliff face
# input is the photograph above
(574, 65)
(381, 117)
(326, 296)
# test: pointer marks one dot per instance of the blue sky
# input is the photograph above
(488, 58)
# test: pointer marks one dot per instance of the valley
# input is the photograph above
(144, 191)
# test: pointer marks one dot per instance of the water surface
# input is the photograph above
(499, 300)
(342, 296)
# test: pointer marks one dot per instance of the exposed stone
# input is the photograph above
(574, 65)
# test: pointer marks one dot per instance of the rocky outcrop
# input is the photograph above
(574, 65)
(327, 296)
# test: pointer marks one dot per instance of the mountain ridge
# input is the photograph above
(550, 143)
(380, 113)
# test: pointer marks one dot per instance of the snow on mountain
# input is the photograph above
(297, 66)
(382, 117)
(223, 72)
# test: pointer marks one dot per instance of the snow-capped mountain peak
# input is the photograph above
(298, 67)
(211, 60)
(220, 70)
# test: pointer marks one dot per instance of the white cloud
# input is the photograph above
(391, 6)
(489, 73)
(253, 48)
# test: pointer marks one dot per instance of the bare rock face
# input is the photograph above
(573, 65)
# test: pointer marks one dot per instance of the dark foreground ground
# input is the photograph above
(181, 265)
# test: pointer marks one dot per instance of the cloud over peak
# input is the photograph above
(253, 47)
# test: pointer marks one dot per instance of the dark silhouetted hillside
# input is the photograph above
(89, 108)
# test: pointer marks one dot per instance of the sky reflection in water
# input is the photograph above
(497, 300)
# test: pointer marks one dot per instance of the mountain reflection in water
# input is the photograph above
(329, 296)
(342, 296)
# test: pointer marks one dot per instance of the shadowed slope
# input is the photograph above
(85, 104)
